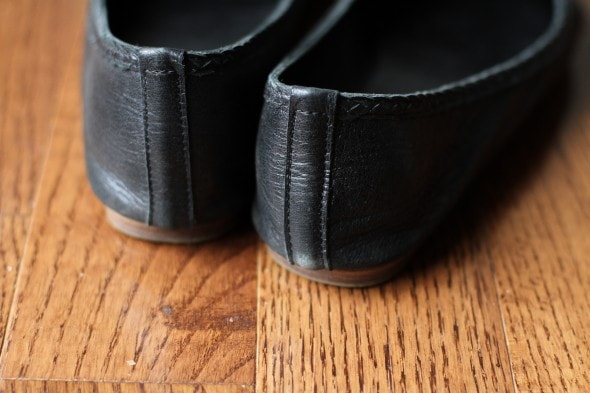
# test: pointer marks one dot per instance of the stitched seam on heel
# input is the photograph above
(147, 148)
(288, 167)
(186, 144)
(327, 184)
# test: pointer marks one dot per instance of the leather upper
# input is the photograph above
(169, 132)
(350, 180)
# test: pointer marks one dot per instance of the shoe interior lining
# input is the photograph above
(421, 45)
(191, 25)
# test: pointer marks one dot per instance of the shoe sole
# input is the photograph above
(357, 278)
(196, 234)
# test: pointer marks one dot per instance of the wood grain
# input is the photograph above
(35, 49)
(12, 238)
(106, 387)
(31, 74)
(429, 330)
(94, 305)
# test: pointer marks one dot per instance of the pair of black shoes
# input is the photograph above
(375, 116)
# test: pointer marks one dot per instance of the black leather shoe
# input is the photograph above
(373, 127)
(172, 94)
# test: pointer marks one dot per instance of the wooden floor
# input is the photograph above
(498, 300)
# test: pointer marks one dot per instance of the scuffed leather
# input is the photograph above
(169, 133)
(353, 180)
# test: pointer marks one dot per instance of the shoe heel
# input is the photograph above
(196, 234)
(344, 278)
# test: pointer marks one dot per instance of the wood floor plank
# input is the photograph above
(107, 387)
(31, 75)
(91, 304)
(13, 231)
(543, 275)
(432, 330)
(35, 50)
